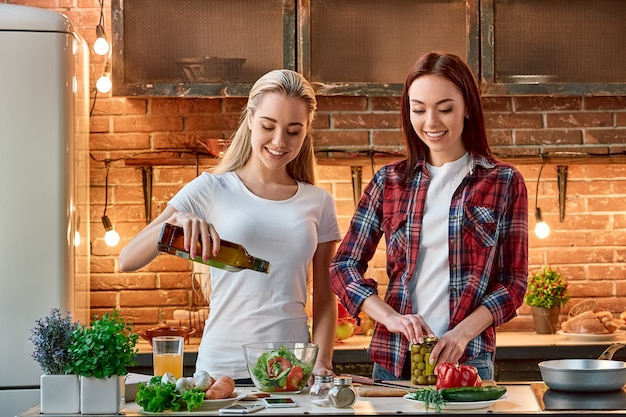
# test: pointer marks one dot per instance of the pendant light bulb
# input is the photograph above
(111, 237)
(104, 83)
(542, 230)
(101, 46)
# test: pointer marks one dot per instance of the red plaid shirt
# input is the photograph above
(488, 249)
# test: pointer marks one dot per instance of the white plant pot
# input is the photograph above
(101, 395)
(59, 394)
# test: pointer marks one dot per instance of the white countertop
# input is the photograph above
(518, 399)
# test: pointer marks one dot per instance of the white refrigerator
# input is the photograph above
(44, 187)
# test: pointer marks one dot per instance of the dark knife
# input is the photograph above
(371, 381)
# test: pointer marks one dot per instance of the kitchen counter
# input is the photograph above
(520, 400)
(517, 354)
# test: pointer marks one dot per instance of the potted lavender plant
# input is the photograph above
(59, 389)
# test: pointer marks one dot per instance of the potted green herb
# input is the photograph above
(546, 294)
(101, 355)
(59, 388)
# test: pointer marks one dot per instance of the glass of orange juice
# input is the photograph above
(167, 355)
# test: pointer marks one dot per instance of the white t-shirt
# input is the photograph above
(429, 290)
(249, 306)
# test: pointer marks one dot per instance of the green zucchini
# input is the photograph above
(470, 394)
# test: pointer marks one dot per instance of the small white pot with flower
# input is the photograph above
(59, 390)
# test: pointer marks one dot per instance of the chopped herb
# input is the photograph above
(430, 396)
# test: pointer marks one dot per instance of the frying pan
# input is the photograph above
(586, 375)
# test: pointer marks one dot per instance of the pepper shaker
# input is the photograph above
(342, 394)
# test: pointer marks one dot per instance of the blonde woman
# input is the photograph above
(261, 195)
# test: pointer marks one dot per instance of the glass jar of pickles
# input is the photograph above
(422, 372)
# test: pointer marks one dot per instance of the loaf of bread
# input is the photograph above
(587, 322)
(581, 307)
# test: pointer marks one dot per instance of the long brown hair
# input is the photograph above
(450, 67)
(290, 84)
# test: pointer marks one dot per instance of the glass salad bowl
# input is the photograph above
(280, 366)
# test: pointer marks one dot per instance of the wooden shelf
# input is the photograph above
(334, 158)
(565, 158)
(171, 159)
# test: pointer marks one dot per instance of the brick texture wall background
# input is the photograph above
(588, 246)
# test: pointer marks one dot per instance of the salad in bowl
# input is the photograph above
(280, 366)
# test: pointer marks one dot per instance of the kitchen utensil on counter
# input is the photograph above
(586, 375)
(167, 355)
(182, 331)
(213, 405)
(358, 379)
(280, 366)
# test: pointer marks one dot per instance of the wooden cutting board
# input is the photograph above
(376, 391)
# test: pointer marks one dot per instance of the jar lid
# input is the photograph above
(323, 378)
(431, 339)
(342, 380)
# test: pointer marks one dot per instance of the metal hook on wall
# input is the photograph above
(562, 184)
(146, 177)
(357, 178)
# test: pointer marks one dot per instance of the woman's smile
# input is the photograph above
(275, 153)
(435, 135)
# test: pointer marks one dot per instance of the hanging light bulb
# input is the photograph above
(111, 237)
(101, 46)
(542, 230)
(104, 83)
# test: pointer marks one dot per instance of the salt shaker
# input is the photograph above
(342, 394)
(320, 389)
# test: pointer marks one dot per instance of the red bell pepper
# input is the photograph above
(452, 375)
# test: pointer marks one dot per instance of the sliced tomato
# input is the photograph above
(276, 366)
(294, 378)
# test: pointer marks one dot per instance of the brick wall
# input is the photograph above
(588, 246)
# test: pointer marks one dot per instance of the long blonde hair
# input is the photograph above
(292, 85)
